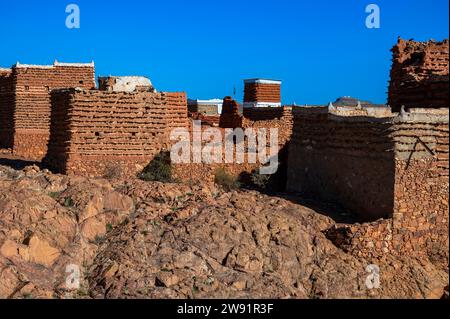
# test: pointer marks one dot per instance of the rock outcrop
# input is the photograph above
(134, 239)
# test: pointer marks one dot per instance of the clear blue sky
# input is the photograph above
(321, 49)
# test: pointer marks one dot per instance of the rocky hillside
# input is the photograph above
(135, 239)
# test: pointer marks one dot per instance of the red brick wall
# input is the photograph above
(93, 130)
(268, 118)
(32, 103)
(230, 117)
(258, 92)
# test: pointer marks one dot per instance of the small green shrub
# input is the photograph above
(68, 202)
(260, 180)
(159, 169)
(54, 195)
(226, 180)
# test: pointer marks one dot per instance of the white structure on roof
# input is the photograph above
(260, 92)
(262, 81)
(55, 64)
(125, 83)
(212, 102)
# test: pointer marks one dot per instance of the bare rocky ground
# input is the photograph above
(135, 239)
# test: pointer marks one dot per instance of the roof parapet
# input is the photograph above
(55, 64)
(262, 81)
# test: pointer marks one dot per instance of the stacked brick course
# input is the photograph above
(334, 158)
(260, 92)
(30, 107)
(6, 108)
(394, 168)
(230, 117)
(267, 118)
(93, 130)
(207, 120)
(419, 75)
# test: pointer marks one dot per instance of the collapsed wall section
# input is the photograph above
(419, 75)
(32, 87)
(95, 131)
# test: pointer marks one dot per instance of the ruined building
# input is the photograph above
(25, 103)
(419, 75)
(206, 111)
(93, 131)
(262, 93)
(390, 169)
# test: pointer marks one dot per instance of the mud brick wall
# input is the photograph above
(344, 160)
(230, 117)
(419, 75)
(271, 117)
(6, 108)
(176, 113)
(95, 131)
(32, 103)
(280, 118)
(207, 120)
(417, 186)
(205, 172)
(259, 92)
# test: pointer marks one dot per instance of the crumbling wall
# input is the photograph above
(6, 108)
(207, 120)
(32, 87)
(419, 75)
(96, 131)
(271, 117)
(265, 118)
(230, 117)
(395, 167)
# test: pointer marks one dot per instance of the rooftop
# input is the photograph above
(55, 64)
(262, 81)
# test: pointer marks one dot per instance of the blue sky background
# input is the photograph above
(321, 49)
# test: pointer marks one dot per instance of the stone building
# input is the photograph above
(25, 103)
(390, 169)
(93, 131)
(419, 75)
(262, 93)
